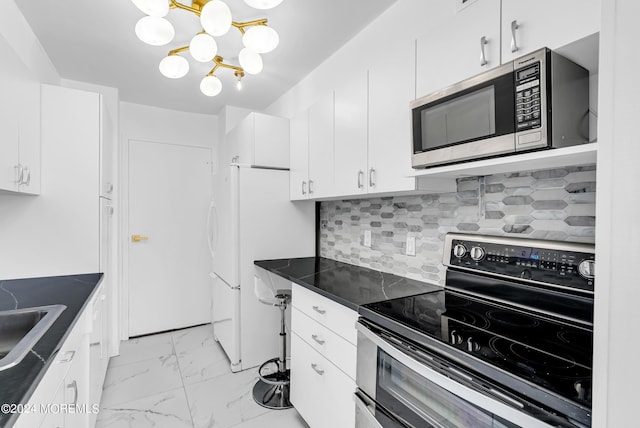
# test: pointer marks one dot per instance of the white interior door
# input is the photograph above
(168, 273)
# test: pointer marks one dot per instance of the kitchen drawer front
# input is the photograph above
(335, 348)
(320, 392)
(330, 314)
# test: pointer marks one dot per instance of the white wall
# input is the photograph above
(140, 122)
(17, 31)
(402, 23)
(617, 317)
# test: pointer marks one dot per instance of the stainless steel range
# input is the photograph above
(507, 343)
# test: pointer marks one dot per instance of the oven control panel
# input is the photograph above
(559, 264)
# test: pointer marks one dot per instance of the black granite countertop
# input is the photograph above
(349, 285)
(17, 383)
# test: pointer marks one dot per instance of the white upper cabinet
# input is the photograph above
(546, 23)
(391, 89)
(351, 136)
(19, 125)
(321, 147)
(299, 151)
(260, 140)
(106, 152)
(462, 45)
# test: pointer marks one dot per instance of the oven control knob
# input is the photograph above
(456, 339)
(587, 269)
(472, 346)
(459, 251)
(477, 253)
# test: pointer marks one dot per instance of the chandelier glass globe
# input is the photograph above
(157, 8)
(263, 4)
(261, 39)
(203, 47)
(215, 18)
(211, 86)
(155, 31)
(174, 66)
(250, 61)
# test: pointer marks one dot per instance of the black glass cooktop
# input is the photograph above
(540, 349)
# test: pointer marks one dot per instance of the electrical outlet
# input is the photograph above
(367, 238)
(411, 245)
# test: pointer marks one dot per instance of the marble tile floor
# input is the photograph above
(182, 379)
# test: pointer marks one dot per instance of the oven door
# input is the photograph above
(400, 386)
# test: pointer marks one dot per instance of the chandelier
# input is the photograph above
(215, 18)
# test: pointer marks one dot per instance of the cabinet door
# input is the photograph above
(546, 23)
(299, 157)
(391, 89)
(19, 124)
(351, 137)
(76, 386)
(242, 141)
(464, 44)
(321, 147)
(320, 392)
(106, 151)
(271, 136)
(54, 419)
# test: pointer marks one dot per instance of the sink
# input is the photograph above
(20, 330)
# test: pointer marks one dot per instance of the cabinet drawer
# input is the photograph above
(321, 393)
(335, 348)
(330, 314)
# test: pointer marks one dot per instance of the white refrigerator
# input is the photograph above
(251, 218)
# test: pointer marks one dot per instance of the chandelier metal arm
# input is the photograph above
(178, 50)
(238, 71)
(175, 4)
(241, 25)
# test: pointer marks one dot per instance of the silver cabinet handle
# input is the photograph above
(110, 188)
(371, 174)
(74, 385)
(317, 339)
(304, 187)
(19, 173)
(318, 310)
(70, 355)
(483, 57)
(26, 181)
(514, 43)
(314, 366)
(360, 175)
(310, 186)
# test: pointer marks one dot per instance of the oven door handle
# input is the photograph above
(512, 413)
(365, 409)
(365, 404)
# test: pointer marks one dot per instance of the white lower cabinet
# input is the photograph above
(66, 395)
(320, 391)
(323, 360)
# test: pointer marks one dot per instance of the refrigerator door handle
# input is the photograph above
(212, 232)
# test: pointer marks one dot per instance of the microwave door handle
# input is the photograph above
(483, 57)
(514, 43)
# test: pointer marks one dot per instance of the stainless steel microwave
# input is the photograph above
(538, 101)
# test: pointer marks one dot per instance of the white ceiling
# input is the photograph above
(94, 41)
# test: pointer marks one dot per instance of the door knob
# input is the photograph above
(138, 238)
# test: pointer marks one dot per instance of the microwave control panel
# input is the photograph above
(528, 101)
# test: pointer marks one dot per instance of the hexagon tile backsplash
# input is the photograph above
(556, 204)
